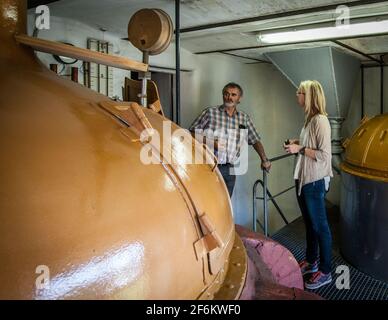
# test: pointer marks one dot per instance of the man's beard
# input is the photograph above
(229, 104)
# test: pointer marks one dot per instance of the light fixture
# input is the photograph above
(324, 33)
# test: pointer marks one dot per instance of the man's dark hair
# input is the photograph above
(233, 85)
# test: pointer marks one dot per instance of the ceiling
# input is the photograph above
(230, 26)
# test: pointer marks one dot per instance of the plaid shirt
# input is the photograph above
(214, 122)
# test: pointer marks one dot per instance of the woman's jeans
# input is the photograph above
(318, 235)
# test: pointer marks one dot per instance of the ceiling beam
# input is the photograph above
(367, 66)
(253, 59)
(356, 51)
(256, 62)
(256, 47)
(368, 56)
(278, 15)
(378, 53)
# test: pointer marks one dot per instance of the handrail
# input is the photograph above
(272, 198)
(281, 157)
(265, 198)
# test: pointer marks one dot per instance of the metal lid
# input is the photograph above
(367, 150)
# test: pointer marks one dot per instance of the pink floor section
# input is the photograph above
(273, 272)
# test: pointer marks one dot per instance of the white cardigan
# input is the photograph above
(316, 135)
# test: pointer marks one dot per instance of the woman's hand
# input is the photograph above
(290, 141)
(292, 148)
(293, 141)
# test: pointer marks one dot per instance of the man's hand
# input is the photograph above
(266, 165)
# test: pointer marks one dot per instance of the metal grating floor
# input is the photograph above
(362, 286)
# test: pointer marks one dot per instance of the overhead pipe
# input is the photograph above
(336, 142)
(381, 88)
(144, 76)
(177, 61)
(362, 91)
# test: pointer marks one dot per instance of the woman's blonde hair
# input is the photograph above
(315, 102)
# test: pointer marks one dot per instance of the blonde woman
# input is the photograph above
(312, 173)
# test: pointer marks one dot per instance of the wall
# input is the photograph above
(269, 99)
(371, 99)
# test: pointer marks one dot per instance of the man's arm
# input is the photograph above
(265, 163)
(254, 140)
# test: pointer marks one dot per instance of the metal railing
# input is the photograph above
(266, 197)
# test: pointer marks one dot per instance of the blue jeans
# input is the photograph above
(230, 179)
(318, 235)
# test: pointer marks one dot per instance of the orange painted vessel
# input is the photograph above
(81, 216)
